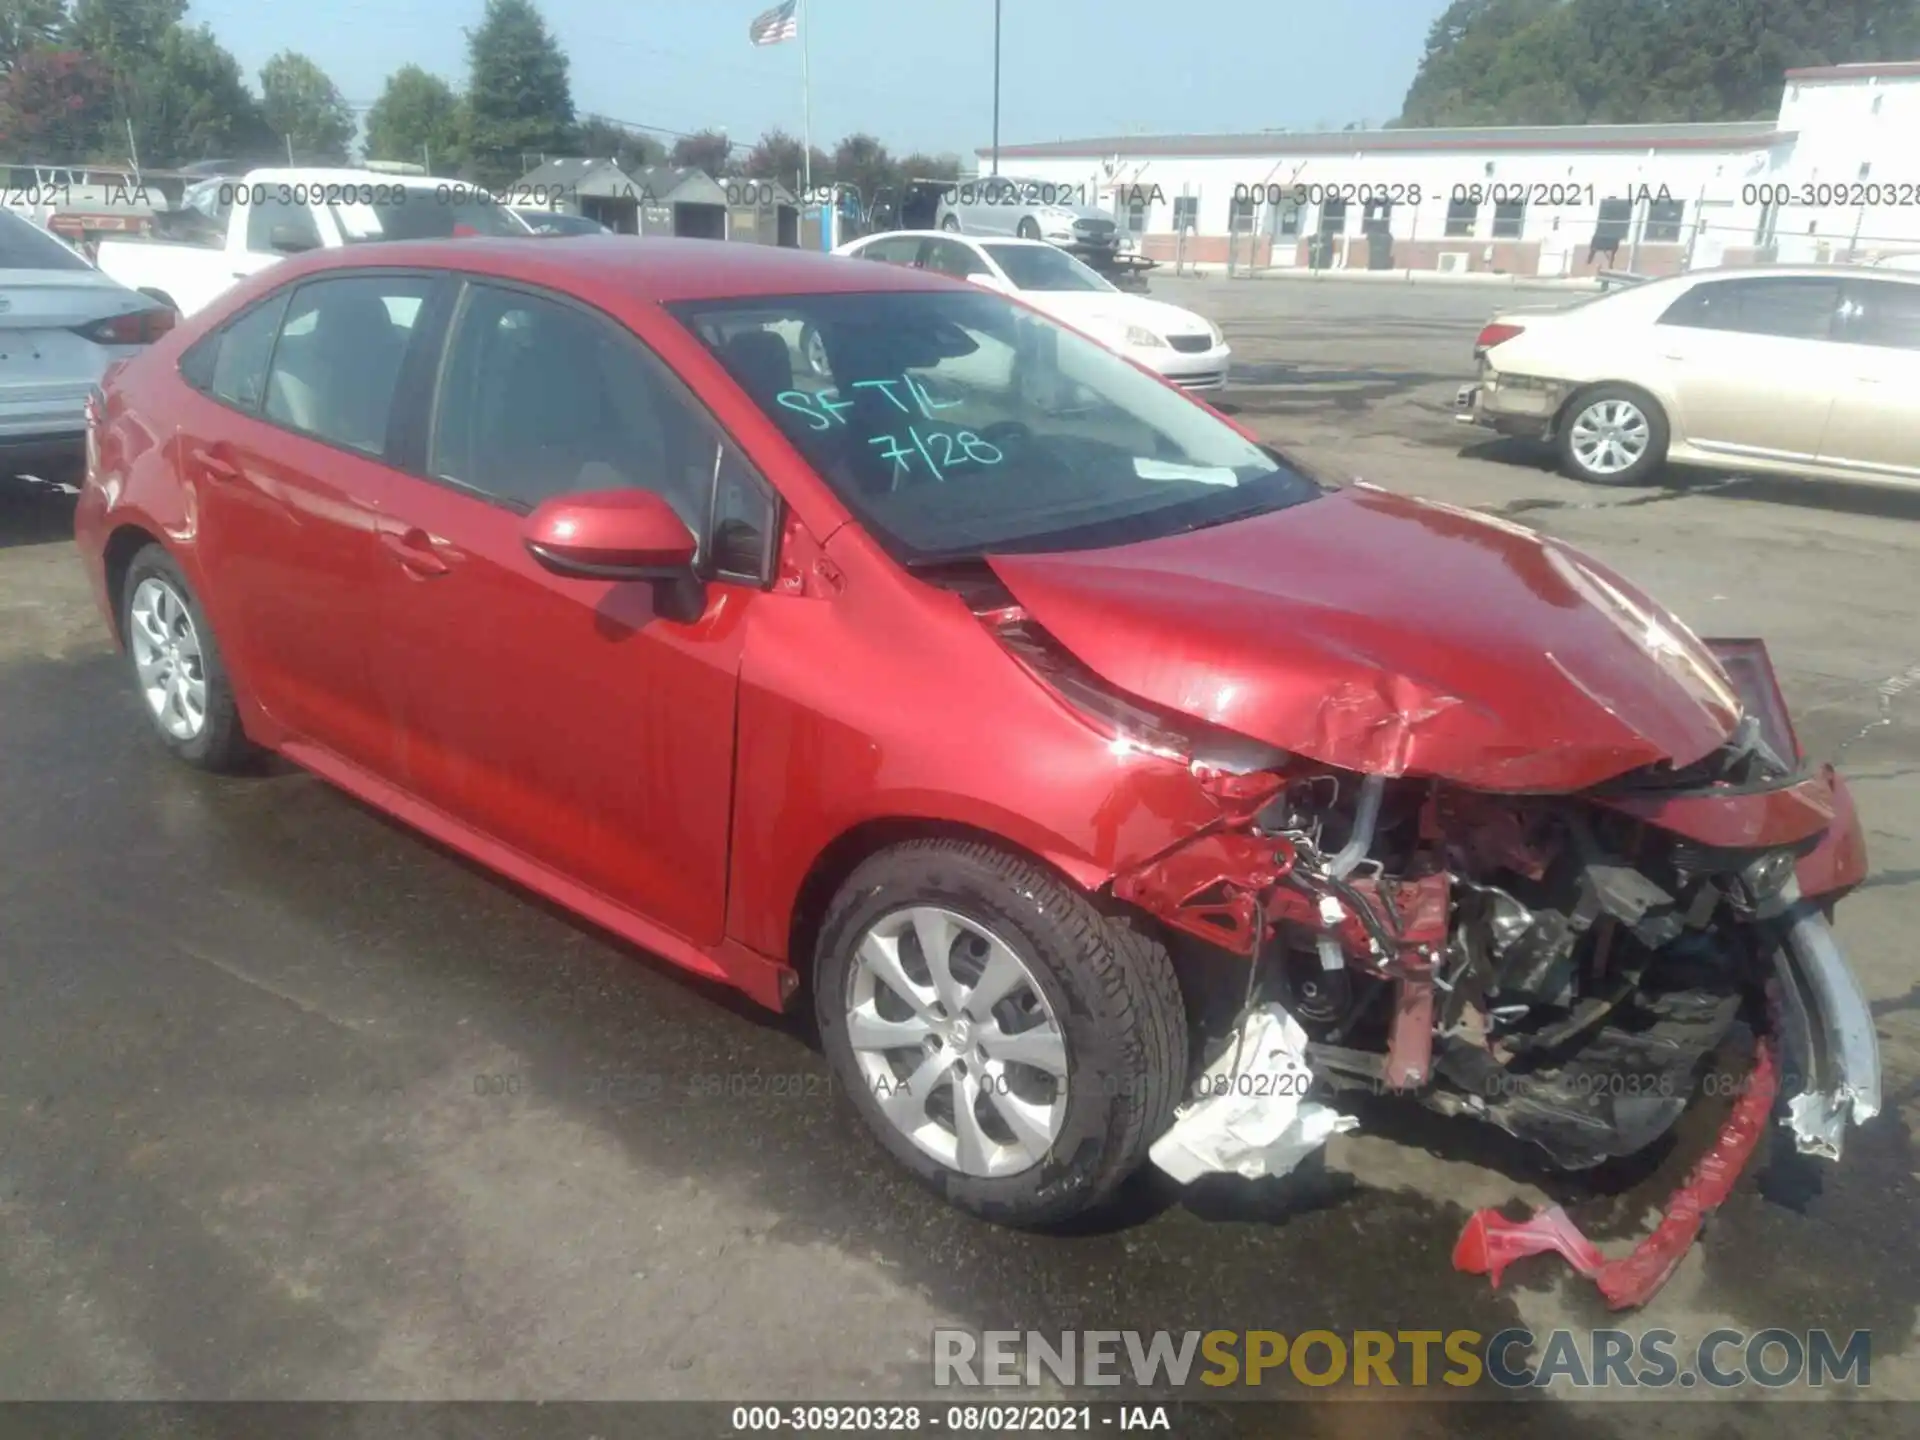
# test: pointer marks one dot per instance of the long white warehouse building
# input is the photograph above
(1836, 176)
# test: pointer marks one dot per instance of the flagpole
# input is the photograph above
(806, 109)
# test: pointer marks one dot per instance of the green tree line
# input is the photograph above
(1576, 62)
(117, 80)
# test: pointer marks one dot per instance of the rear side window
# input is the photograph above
(231, 363)
(1884, 313)
(337, 366)
(1795, 307)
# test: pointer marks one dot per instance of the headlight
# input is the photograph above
(1144, 338)
(1214, 331)
(1768, 875)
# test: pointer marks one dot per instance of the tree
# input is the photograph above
(918, 166)
(189, 101)
(29, 25)
(863, 162)
(417, 118)
(775, 156)
(303, 107)
(603, 139)
(114, 31)
(1570, 62)
(519, 98)
(56, 106)
(709, 150)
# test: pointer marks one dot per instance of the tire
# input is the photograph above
(1106, 990)
(156, 601)
(1028, 229)
(951, 224)
(1630, 418)
(813, 351)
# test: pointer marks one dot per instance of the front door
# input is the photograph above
(587, 725)
(287, 448)
(1751, 362)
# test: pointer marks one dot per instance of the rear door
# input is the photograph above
(587, 725)
(1751, 364)
(1875, 424)
(286, 448)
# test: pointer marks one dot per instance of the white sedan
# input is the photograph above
(1184, 347)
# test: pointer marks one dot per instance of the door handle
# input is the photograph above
(216, 465)
(413, 548)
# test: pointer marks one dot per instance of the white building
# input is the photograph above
(1826, 180)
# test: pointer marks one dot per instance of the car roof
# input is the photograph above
(964, 239)
(1737, 272)
(345, 175)
(653, 268)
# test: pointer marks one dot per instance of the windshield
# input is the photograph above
(1041, 267)
(423, 215)
(958, 425)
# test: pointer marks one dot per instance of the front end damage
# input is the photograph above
(1494, 831)
(1559, 966)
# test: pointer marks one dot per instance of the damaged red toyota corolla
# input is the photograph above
(1105, 783)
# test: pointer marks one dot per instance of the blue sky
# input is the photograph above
(917, 73)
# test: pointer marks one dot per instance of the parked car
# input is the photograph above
(62, 323)
(1802, 370)
(559, 222)
(1038, 737)
(1031, 210)
(1186, 348)
(239, 227)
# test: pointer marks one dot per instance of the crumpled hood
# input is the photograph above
(1384, 634)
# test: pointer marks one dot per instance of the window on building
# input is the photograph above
(1286, 219)
(1186, 212)
(1240, 218)
(1509, 219)
(1137, 214)
(1333, 216)
(1462, 216)
(1376, 217)
(1664, 219)
(1616, 218)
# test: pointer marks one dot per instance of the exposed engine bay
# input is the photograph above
(1556, 966)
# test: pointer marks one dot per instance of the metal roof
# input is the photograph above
(1720, 135)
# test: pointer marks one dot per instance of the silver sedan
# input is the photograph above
(62, 323)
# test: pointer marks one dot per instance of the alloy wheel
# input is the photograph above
(168, 658)
(956, 1041)
(1609, 437)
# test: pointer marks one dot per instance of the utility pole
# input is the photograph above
(996, 87)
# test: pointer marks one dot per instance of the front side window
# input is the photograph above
(279, 227)
(950, 257)
(1041, 267)
(1884, 313)
(894, 250)
(957, 424)
(540, 398)
(337, 365)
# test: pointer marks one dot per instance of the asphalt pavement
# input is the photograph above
(296, 1105)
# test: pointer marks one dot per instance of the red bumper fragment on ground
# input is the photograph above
(1491, 1242)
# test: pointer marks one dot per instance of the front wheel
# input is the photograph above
(1029, 229)
(1613, 435)
(1010, 1045)
(951, 224)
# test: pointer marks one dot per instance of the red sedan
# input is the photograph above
(1102, 780)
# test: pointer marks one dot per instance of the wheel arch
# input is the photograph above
(127, 540)
(1587, 387)
(853, 847)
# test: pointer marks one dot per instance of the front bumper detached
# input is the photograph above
(1830, 1054)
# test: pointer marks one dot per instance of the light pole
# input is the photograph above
(996, 87)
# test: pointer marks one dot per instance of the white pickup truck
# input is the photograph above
(229, 229)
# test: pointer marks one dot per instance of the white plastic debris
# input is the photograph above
(1250, 1116)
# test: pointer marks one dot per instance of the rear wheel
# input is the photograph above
(1010, 1045)
(951, 224)
(1029, 229)
(177, 666)
(1613, 435)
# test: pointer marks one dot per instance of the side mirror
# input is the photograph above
(289, 240)
(610, 535)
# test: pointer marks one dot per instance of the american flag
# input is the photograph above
(775, 25)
